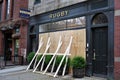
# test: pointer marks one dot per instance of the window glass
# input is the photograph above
(64, 24)
(7, 9)
(16, 46)
(0, 10)
(58, 25)
(37, 1)
(17, 30)
(97, 4)
(32, 29)
(76, 22)
(33, 44)
(44, 27)
(99, 19)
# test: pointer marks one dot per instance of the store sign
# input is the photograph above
(59, 14)
(24, 13)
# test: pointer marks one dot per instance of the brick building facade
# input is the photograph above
(117, 39)
(13, 31)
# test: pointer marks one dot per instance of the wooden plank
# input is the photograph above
(78, 45)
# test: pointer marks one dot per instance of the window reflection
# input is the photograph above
(44, 27)
(76, 22)
(58, 25)
(64, 24)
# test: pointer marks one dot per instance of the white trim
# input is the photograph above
(117, 12)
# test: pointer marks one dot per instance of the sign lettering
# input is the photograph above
(59, 14)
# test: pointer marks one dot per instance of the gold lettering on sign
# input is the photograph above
(59, 14)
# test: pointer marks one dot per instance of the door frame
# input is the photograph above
(110, 25)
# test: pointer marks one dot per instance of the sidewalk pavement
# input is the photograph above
(12, 69)
(19, 73)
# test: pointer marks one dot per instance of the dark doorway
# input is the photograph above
(33, 43)
(8, 48)
(100, 51)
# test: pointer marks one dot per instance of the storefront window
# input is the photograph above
(33, 44)
(58, 25)
(76, 22)
(16, 46)
(44, 27)
(64, 24)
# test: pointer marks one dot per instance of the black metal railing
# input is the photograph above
(17, 60)
(14, 60)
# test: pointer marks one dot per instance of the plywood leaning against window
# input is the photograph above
(52, 61)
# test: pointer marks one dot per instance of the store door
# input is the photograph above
(100, 50)
(8, 48)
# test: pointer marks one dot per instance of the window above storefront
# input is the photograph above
(97, 4)
(0, 10)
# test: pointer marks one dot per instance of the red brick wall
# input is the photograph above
(3, 10)
(17, 5)
(117, 41)
(117, 4)
(14, 14)
(23, 37)
(1, 44)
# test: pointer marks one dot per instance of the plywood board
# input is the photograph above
(78, 44)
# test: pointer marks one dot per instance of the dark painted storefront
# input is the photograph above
(99, 16)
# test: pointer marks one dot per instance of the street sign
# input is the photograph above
(24, 13)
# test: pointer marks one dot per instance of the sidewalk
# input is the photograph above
(12, 69)
(34, 76)
(19, 73)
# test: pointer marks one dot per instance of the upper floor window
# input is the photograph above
(0, 10)
(7, 9)
(37, 1)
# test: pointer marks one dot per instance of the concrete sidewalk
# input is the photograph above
(19, 73)
(12, 69)
(23, 75)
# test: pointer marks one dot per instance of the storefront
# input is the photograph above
(90, 23)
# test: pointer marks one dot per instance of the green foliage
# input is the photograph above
(47, 58)
(58, 60)
(78, 62)
(39, 57)
(30, 56)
